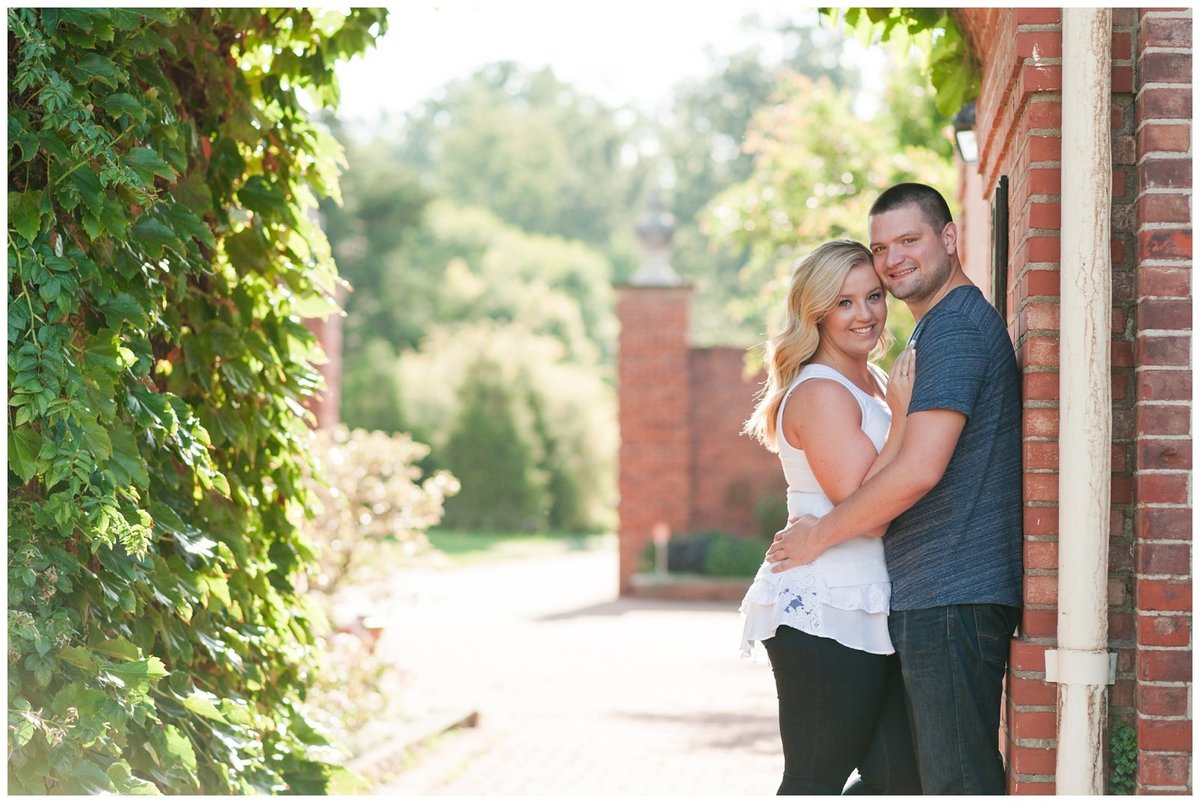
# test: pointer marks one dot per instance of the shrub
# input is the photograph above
(161, 258)
(712, 554)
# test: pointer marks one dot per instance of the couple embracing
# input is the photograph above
(887, 604)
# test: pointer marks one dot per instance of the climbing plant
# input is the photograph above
(162, 253)
(952, 67)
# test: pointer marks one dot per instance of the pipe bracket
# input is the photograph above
(1081, 667)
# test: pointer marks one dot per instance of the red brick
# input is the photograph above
(1041, 555)
(1164, 208)
(1117, 595)
(1165, 67)
(1164, 350)
(1120, 458)
(1122, 46)
(1154, 453)
(1041, 589)
(1040, 455)
(1164, 313)
(1040, 422)
(1124, 152)
(1122, 78)
(1028, 657)
(1041, 78)
(1164, 103)
(1037, 623)
(1039, 316)
(1164, 631)
(1164, 138)
(1045, 181)
(1159, 558)
(1040, 283)
(1162, 488)
(1122, 354)
(1165, 173)
(1164, 666)
(1164, 385)
(1120, 385)
(1164, 595)
(1168, 735)
(1039, 351)
(1163, 523)
(1156, 769)
(1045, 216)
(1039, 44)
(1032, 760)
(1043, 249)
(1040, 385)
(1168, 281)
(1119, 320)
(1156, 31)
(1118, 250)
(1164, 419)
(1044, 149)
(1035, 725)
(1162, 701)
(1041, 521)
(1122, 490)
(1123, 18)
(1116, 524)
(1037, 16)
(1120, 625)
(1043, 115)
(1120, 179)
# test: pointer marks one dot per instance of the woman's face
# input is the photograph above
(856, 321)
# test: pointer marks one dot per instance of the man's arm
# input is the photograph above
(929, 440)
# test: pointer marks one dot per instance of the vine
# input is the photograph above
(161, 256)
(953, 70)
(1122, 780)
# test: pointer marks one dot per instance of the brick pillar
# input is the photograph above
(653, 384)
(1163, 387)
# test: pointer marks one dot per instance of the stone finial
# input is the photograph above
(654, 230)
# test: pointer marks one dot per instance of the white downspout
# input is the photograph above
(1082, 666)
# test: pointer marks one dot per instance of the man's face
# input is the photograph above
(910, 257)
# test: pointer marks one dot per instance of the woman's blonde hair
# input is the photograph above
(815, 288)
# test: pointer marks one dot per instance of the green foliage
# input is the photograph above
(728, 556)
(808, 187)
(1122, 780)
(161, 256)
(495, 461)
(563, 415)
(953, 69)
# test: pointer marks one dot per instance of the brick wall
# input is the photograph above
(654, 474)
(1162, 391)
(731, 473)
(1019, 115)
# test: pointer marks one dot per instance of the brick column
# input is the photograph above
(653, 383)
(1162, 476)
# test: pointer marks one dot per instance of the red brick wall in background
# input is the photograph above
(1019, 119)
(731, 473)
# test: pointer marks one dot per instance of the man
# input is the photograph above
(952, 494)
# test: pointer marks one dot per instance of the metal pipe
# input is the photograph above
(1081, 664)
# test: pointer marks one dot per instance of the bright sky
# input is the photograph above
(623, 51)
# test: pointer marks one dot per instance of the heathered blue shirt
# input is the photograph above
(961, 543)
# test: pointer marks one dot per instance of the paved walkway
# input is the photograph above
(578, 692)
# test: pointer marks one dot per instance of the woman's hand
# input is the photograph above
(900, 382)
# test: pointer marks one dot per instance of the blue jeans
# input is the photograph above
(953, 660)
(840, 708)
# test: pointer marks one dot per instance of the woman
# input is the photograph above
(825, 410)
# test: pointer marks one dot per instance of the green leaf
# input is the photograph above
(118, 648)
(204, 704)
(24, 444)
(155, 236)
(148, 164)
(150, 669)
(120, 103)
(126, 783)
(259, 196)
(127, 459)
(78, 656)
(99, 68)
(23, 214)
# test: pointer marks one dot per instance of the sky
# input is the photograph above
(626, 52)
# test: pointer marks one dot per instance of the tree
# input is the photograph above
(161, 256)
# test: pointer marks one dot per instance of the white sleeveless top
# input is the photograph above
(844, 593)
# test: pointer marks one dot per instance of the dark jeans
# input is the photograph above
(953, 661)
(840, 708)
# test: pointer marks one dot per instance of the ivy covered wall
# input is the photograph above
(161, 255)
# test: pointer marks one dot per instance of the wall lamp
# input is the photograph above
(964, 132)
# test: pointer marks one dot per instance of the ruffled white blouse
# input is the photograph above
(844, 593)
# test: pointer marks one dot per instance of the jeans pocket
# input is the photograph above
(994, 626)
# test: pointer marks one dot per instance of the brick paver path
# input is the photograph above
(579, 692)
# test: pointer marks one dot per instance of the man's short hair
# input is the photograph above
(933, 206)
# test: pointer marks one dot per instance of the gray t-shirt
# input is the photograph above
(961, 543)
